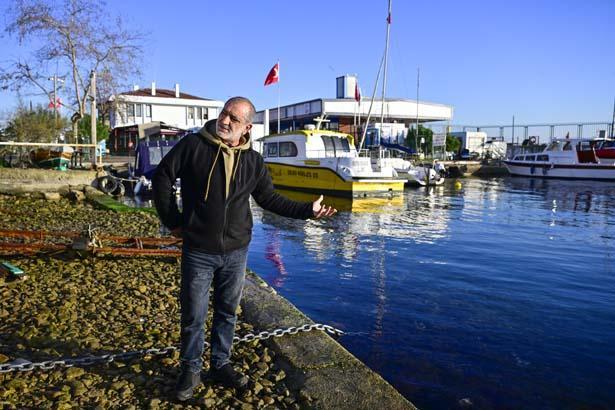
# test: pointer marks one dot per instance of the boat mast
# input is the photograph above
(371, 104)
(613, 121)
(416, 136)
(383, 62)
(386, 57)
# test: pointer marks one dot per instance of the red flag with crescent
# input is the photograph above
(274, 75)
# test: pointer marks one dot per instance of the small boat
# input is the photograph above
(564, 158)
(57, 157)
(605, 151)
(325, 162)
(415, 175)
(148, 156)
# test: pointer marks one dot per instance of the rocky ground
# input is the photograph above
(70, 306)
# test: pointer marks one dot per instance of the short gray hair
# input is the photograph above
(243, 100)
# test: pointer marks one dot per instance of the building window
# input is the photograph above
(131, 110)
(148, 110)
(190, 113)
(199, 113)
(205, 114)
(138, 110)
(288, 149)
(272, 149)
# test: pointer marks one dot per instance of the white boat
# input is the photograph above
(563, 158)
(414, 175)
(325, 162)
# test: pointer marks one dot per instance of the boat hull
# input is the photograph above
(327, 182)
(565, 171)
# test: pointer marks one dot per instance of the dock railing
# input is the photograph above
(543, 133)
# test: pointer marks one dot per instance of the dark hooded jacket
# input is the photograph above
(216, 182)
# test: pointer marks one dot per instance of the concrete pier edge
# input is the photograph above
(318, 367)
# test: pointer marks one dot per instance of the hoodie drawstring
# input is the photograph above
(212, 171)
(236, 166)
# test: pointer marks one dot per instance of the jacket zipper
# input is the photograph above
(224, 226)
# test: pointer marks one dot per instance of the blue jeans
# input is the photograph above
(199, 270)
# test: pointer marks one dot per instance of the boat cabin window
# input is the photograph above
(542, 157)
(165, 150)
(519, 158)
(271, 149)
(288, 149)
(530, 157)
(584, 146)
(334, 145)
(607, 144)
(155, 155)
(345, 145)
(567, 146)
(329, 145)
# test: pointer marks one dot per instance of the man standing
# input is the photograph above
(219, 171)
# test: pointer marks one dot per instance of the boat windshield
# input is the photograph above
(607, 144)
(555, 146)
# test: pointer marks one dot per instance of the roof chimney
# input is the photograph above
(153, 88)
(176, 90)
(135, 87)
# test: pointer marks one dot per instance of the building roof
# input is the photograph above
(163, 93)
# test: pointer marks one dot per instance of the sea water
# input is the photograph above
(498, 294)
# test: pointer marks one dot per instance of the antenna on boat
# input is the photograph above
(320, 120)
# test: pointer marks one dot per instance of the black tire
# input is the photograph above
(107, 184)
(120, 190)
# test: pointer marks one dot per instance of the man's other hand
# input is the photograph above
(321, 210)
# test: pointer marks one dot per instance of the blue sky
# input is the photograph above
(542, 61)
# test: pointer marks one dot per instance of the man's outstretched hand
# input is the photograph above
(320, 210)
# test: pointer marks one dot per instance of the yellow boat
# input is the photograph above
(325, 162)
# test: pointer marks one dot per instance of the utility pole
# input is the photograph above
(93, 117)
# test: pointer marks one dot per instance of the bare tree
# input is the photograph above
(76, 37)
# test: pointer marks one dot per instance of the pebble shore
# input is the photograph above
(73, 307)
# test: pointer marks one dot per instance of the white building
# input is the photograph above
(177, 110)
(346, 114)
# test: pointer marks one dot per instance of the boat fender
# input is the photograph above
(532, 169)
(107, 184)
(120, 190)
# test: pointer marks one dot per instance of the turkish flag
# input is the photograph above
(56, 104)
(357, 92)
(274, 75)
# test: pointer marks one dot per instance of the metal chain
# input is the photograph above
(25, 366)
